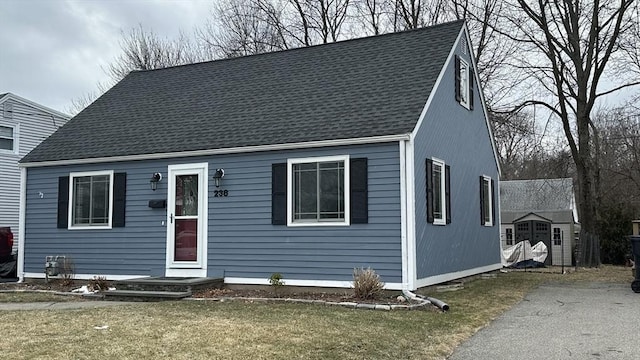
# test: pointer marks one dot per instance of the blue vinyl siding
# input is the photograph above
(242, 242)
(461, 139)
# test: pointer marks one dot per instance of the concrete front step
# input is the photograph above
(137, 295)
(169, 284)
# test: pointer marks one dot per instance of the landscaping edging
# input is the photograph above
(348, 304)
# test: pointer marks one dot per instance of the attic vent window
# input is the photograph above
(463, 46)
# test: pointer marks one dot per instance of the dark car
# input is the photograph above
(7, 260)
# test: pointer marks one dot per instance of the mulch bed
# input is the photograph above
(386, 298)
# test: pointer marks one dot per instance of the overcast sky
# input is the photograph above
(53, 51)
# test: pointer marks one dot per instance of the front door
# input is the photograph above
(187, 220)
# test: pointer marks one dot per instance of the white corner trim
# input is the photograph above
(437, 279)
(406, 282)
(231, 150)
(22, 215)
(40, 275)
(300, 282)
(411, 213)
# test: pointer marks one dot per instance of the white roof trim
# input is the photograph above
(463, 32)
(27, 102)
(233, 150)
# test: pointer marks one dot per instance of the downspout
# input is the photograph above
(21, 223)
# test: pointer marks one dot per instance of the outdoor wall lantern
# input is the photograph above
(155, 179)
(218, 176)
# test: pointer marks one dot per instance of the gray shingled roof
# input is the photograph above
(536, 195)
(558, 217)
(365, 87)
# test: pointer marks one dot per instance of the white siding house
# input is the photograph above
(23, 125)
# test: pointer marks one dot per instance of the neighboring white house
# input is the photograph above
(23, 125)
(540, 210)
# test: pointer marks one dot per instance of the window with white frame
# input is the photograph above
(486, 201)
(509, 236)
(438, 192)
(557, 236)
(91, 199)
(318, 191)
(7, 138)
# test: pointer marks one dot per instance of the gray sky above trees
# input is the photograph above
(55, 50)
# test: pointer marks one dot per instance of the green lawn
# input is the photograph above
(237, 330)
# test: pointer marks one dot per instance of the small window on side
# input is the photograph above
(509, 236)
(557, 236)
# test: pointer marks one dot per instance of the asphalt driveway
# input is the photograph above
(560, 321)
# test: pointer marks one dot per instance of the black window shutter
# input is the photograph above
(358, 184)
(457, 78)
(482, 200)
(279, 194)
(447, 191)
(471, 83)
(63, 202)
(429, 191)
(493, 204)
(119, 199)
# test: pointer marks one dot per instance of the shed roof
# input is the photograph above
(361, 88)
(552, 197)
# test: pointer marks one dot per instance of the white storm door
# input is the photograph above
(187, 220)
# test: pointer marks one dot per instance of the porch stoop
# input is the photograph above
(159, 288)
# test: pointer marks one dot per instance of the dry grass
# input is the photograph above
(235, 330)
(22, 297)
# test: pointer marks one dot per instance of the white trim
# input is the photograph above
(73, 175)
(411, 213)
(231, 150)
(490, 200)
(347, 194)
(438, 279)
(27, 102)
(463, 31)
(41, 275)
(22, 215)
(443, 189)
(404, 228)
(299, 282)
(199, 267)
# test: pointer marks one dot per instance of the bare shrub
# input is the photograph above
(367, 284)
(99, 283)
(67, 271)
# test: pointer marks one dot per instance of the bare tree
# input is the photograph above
(568, 46)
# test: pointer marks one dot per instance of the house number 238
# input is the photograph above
(220, 193)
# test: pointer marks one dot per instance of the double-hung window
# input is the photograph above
(7, 138)
(91, 200)
(318, 191)
(438, 192)
(486, 201)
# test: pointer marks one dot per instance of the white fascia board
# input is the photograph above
(305, 283)
(463, 32)
(438, 279)
(232, 150)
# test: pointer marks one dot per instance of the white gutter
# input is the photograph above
(232, 150)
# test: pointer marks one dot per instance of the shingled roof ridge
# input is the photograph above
(336, 43)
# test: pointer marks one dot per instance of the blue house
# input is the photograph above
(373, 152)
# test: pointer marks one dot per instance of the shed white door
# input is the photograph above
(187, 220)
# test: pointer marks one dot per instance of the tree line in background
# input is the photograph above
(544, 66)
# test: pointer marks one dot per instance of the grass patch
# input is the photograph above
(24, 297)
(236, 330)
